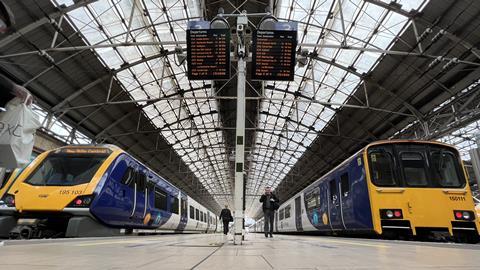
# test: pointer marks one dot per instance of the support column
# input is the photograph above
(239, 153)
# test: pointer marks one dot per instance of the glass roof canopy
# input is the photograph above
(288, 122)
(290, 119)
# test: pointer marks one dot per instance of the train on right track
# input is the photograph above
(396, 189)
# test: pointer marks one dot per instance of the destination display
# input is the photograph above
(208, 54)
(273, 55)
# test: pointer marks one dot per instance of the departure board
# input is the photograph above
(208, 54)
(273, 55)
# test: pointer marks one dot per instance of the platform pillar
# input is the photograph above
(240, 137)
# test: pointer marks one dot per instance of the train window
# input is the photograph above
(141, 181)
(287, 211)
(201, 216)
(204, 217)
(446, 170)
(5, 174)
(197, 214)
(150, 185)
(192, 212)
(128, 176)
(174, 205)
(382, 168)
(132, 178)
(65, 170)
(183, 207)
(160, 199)
(313, 199)
(345, 184)
(413, 166)
(333, 190)
(281, 214)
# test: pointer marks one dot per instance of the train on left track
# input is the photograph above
(95, 190)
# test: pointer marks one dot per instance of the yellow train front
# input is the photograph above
(393, 189)
(95, 191)
(420, 188)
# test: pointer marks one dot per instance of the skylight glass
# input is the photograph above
(187, 124)
(289, 120)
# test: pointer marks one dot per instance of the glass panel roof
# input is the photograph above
(288, 121)
(288, 118)
(464, 139)
(188, 124)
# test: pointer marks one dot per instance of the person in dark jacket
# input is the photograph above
(226, 217)
(270, 204)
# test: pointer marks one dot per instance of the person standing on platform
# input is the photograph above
(270, 204)
(226, 217)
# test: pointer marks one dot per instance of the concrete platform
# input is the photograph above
(200, 251)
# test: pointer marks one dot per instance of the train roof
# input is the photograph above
(109, 146)
(406, 141)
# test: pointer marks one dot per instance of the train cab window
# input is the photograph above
(174, 205)
(192, 212)
(160, 199)
(281, 214)
(66, 170)
(446, 171)
(414, 168)
(5, 175)
(197, 214)
(287, 211)
(345, 184)
(382, 168)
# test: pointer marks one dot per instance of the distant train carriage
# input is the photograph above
(96, 190)
(389, 188)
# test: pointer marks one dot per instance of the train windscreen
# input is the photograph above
(66, 169)
(415, 165)
(5, 175)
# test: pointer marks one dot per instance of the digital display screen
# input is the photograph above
(85, 150)
(208, 54)
(273, 55)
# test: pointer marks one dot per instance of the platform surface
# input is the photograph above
(200, 251)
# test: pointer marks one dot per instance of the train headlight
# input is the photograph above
(463, 215)
(82, 201)
(391, 213)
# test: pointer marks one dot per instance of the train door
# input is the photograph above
(183, 212)
(335, 206)
(141, 198)
(345, 198)
(276, 221)
(298, 214)
(208, 222)
(130, 194)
